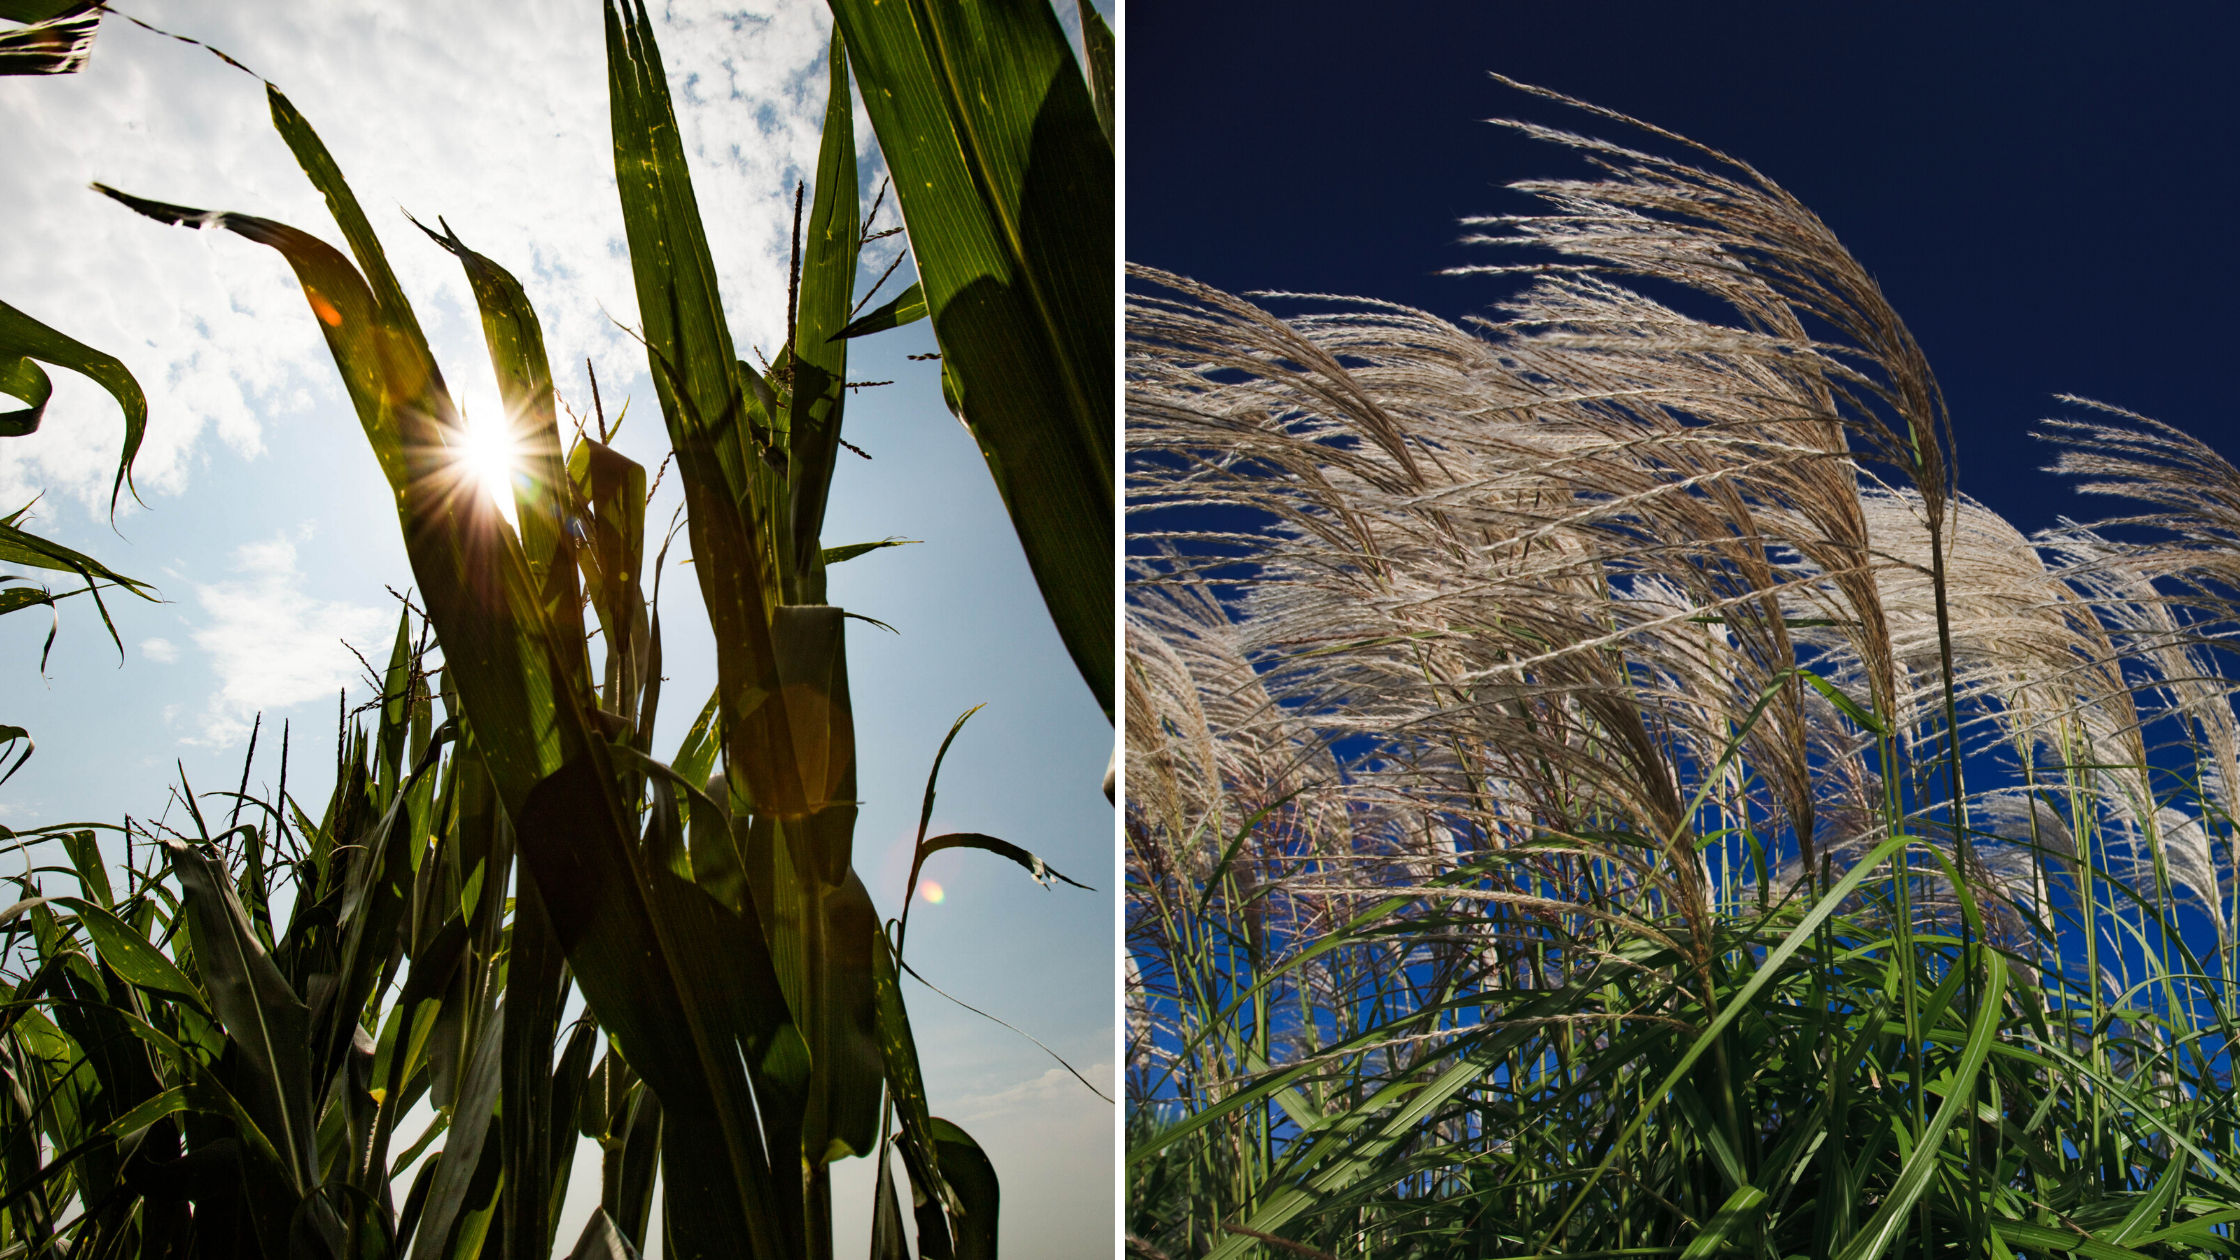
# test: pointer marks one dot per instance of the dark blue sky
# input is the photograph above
(2045, 192)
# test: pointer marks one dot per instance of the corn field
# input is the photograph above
(1597, 787)
(381, 1029)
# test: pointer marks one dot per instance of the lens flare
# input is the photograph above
(931, 891)
(487, 454)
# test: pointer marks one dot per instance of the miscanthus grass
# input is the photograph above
(1596, 787)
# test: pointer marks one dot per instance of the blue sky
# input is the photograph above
(267, 527)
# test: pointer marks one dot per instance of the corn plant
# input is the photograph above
(1597, 788)
(214, 1054)
(712, 922)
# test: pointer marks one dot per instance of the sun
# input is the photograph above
(487, 455)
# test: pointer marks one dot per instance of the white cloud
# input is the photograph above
(270, 644)
(161, 651)
(1055, 1088)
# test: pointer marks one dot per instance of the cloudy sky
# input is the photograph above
(268, 531)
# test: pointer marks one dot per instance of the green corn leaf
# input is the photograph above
(612, 490)
(86, 860)
(816, 359)
(571, 1080)
(416, 1199)
(1042, 871)
(834, 555)
(396, 707)
(657, 955)
(319, 166)
(262, 1016)
(853, 1067)
(967, 1170)
(376, 891)
(23, 339)
(24, 380)
(469, 566)
(17, 598)
(905, 1084)
(811, 646)
(696, 755)
(727, 457)
(906, 307)
(1097, 42)
(15, 735)
(470, 1131)
(530, 1141)
(627, 1174)
(402, 1057)
(888, 1241)
(19, 546)
(129, 954)
(168, 1103)
(39, 10)
(543, 496)
(600, 1240)
(1006, 184)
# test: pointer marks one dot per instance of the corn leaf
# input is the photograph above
(967, 1170)
(906, 1085)
(262, 1016)
(1042, 871)
(24, 339)
(834, 555)
(58, 40)
(816, 359)
(542, 489)
(1006, 184)
(129, 954)
(655, 954)
(463, 1149)
(600, 1240)
(726, 453)
(853, 1066)
(906, 307)
(1101, 67)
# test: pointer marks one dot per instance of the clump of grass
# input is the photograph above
(1597, 787)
